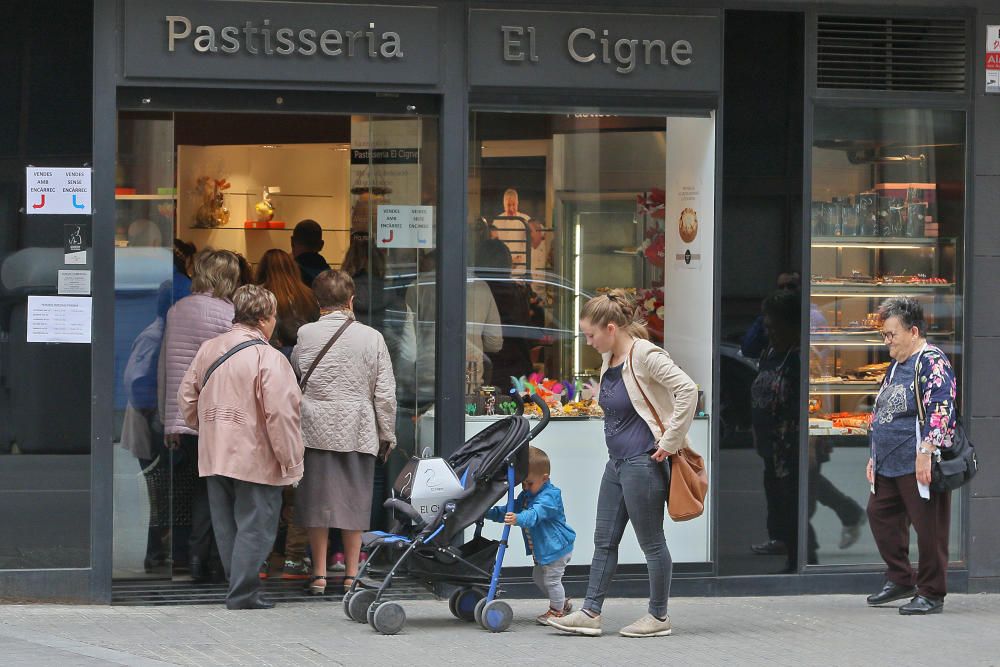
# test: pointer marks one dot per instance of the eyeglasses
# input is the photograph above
(888, 336)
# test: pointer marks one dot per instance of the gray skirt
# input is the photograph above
(336, 490)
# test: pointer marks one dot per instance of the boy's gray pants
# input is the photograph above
(549, 577)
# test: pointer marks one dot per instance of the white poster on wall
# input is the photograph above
(993, 59)
(57, 191)
(689, 218)
(59, 319)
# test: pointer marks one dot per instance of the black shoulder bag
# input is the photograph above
(958, 463)
(218, 362)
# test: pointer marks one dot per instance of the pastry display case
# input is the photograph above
(886, 220)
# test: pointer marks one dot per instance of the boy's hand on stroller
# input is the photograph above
(510, 519)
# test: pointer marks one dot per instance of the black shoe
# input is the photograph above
(259, 603)
(770, 548)
(921, 605)
(890, 593)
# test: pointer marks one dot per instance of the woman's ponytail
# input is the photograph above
(616, 307)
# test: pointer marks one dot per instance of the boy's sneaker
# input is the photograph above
(578, 623)
(296, 569)
(647, 626)
(337, 563)
(543, 619)
(263, 571)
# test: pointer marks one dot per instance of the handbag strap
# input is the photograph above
(322, 353)
(649, 405)
(218, 362)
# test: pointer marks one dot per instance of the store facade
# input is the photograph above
(481, 170)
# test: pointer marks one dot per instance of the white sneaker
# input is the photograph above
(578, 623)
(647, 626)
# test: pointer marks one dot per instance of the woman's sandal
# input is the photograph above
(312, 588)
(348, 580)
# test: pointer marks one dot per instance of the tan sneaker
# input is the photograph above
(543, 619)
(578, 623)
(647, 626)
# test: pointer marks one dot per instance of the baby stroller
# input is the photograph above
(433, 502)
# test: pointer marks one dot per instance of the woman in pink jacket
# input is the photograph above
(205, 314)
(242, 397)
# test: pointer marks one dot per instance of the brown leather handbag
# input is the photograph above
(688, 478)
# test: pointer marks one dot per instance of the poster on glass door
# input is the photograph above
(385, 168)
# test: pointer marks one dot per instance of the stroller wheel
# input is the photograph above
(497, 616)
(465, 601)
(479, 611)
(347, 604)
(388, 618)
(357, 605)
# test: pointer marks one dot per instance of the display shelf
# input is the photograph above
(881, 242)
(877, 290)
(867, 339)
(844, 388)
(254, 229)
(145, 197)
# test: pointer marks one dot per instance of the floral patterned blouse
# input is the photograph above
(936, 383)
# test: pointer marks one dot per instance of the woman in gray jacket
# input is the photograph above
(348, 418)
(648, 403)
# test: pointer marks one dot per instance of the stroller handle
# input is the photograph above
(546, 415)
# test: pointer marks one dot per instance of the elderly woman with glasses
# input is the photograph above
(899, 470)
(243, 398)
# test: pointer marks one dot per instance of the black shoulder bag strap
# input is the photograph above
(218, 362)
(322, 353)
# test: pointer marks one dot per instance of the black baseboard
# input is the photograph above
(634, 583)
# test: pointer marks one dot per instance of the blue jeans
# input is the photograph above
(632, 489)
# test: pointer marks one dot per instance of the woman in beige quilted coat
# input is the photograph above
(348, 418)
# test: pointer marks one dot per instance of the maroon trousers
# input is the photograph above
(892, 509)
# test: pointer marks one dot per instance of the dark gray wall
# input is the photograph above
(983, 400)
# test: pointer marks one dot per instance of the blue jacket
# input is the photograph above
(541, 516)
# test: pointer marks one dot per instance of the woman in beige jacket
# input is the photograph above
(348, 418)
(246, 412)
(637, 378)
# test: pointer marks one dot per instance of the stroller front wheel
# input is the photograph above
(357, 604)
(496, 616)
(387, 618)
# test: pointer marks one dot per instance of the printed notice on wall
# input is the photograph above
(405, 227)
(993, 59)
(59, 319)
(74, 282)
(58, 191)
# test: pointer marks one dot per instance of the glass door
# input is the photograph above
(367, 187)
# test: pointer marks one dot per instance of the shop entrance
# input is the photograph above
(242, 182)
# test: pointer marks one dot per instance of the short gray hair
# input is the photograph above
(253, 303)
(907, 310)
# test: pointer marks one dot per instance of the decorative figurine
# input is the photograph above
(212, 212)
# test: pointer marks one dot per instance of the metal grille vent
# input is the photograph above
(906, 54)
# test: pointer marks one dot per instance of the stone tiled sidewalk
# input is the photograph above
(815, 630)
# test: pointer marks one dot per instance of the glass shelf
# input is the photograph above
(881, 242)
(844, 388)
(145, 197)
(878, 290)
(255, 229)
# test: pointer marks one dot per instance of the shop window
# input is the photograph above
(563, 207)
(887, 220)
